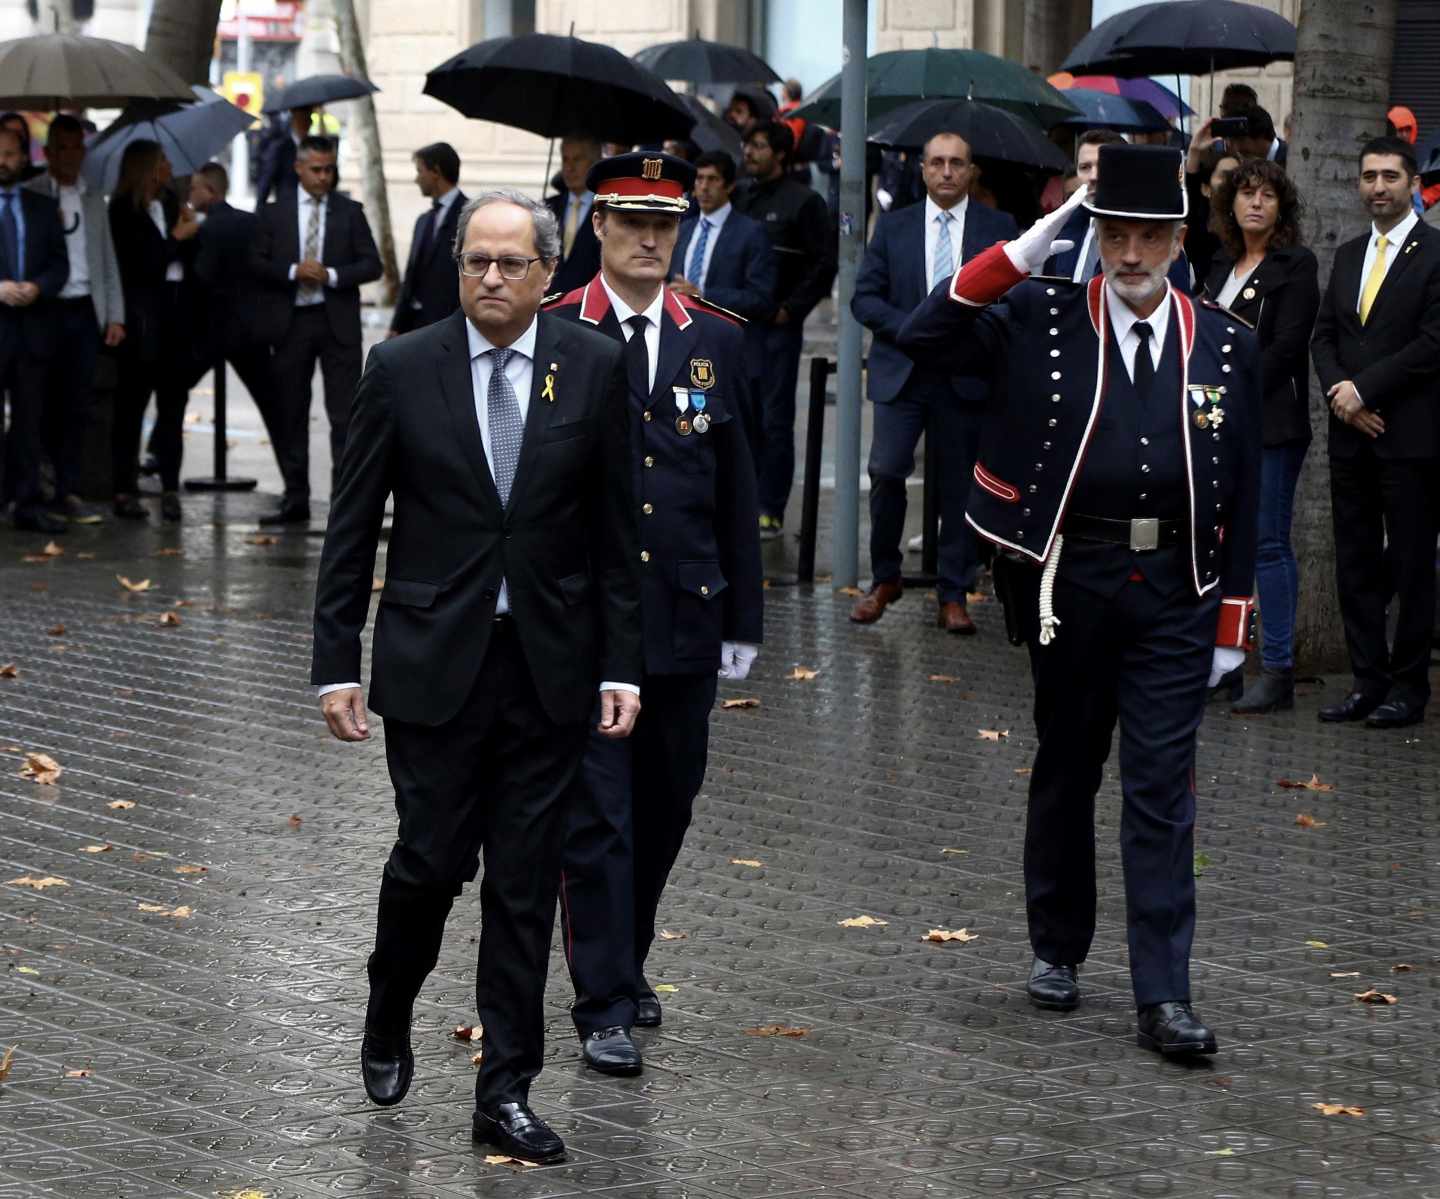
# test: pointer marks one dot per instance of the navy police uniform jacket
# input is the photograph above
(701, 580)
(1050, 352)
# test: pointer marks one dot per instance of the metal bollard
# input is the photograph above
(221, 480)
(820, 369)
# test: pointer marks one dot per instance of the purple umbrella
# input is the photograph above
(1156, 94)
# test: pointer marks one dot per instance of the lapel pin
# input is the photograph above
(548, 392)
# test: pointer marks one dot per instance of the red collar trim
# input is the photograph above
(594, 303)
(677, 310)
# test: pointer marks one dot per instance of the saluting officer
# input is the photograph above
(1120, 481)
(701, 594)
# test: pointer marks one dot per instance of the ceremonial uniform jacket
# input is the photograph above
(1047, 345)
(700, 570)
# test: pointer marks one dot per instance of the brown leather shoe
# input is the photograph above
(871, 606)
(953, 618)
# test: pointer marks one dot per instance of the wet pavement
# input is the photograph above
(160, 1053)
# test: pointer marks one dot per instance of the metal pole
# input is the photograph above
(814, 456)
(852, 245)
(240, 147)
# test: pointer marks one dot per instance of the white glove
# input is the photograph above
(1028, 252)
(1226, 659)
(736, 658)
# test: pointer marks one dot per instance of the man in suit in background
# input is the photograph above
(34, 266)
(431, 290)
(511, 598)
(724, 257)
(912, 250)
(313, 249)
(1376, 350)
(579, 251)
(278, 154)
(89, 311)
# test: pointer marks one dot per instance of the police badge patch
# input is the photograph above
(702, 373)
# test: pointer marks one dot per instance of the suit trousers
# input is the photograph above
(634, 800)
(494, 782)
(775, 467)
(310, 340)
(934, 411)
(1141, 658)
(22, 384)
(70, 391)
(1384, 513)
(165, 373)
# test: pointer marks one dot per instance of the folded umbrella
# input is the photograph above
(190, 136)
(57, 70)
(699, 61)
(990, 132)
(1184, 37)
(314, 91)
(1099, 110)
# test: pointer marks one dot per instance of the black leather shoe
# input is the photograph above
(1055, 988)
(1174, 1030)
(517, 1131)
(170, 509)
(611, 1051)
(1355, 706)
(288, 514)
(1395, 714)
(387, 1065)
(1230, 687)
(1273, 691)
(127, 507)
(647, 1012)
(37, 520)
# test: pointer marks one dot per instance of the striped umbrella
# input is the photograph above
(1157, 94)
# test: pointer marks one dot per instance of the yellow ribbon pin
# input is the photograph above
(548, 392)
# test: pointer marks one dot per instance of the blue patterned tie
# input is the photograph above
(697, 254)
(502, 410)
(944, 260)
(11, 267)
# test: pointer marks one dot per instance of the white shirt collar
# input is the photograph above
(78, 187)
(1123, 318)
(957, 210)
(623, 311)
(1397, 235)
(717, 218)
(524, 344)
(1274, 149)
(447, 199)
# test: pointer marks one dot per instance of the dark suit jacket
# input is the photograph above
(1279, 302)
(1394, 358)
(1063, 264)
(348, 248)
(565, 545)
(742, 277)
(584, 260)
(47, 265)
(434, 282)
(277, 176)
(144, 255)
(226, 286)
(891, 285)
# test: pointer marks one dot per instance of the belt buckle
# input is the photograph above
(1145, 533)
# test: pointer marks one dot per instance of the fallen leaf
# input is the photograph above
(727, 704)
(56, 630)
(1338, 1109)
(1401, 968)
(942, 678)
(9, 671)
(1313, 785)
(957, 852)
(776, 1030)
(667, 935)
(53, 550)
(183, 603)
(141, 856)
(159, 909)
(106, 848)
(1202, 863)
(86, 557)
(1376, 997)
(962, 935)
(37, 884)
(41, 768)
(377, 583)
(294, 822)
(1318, 944)
(477, 1057)
(1305, 820)
(468, 1032)
(993, 734)
(666, 988)
(77, 1073)
(1023, 769)
(170, 551)
(1226, 1152)
(192, 869)
(26, 970)
(802, 674)
(169, 618)
(500, 1159)
(746, 862)
(848, 591)
(5, 1062)
(142, 585)
(247, 1193)
(121, 805)
(262, 539)
(1344, 974)
(862, 922)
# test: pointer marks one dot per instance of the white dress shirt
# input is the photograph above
(1077, 275)
(1394, 240)
(71, 197)
(1233, 284)
(175, 272)
(652, 314)
(717, 222)
(1123, 320)
(932, 235)
(302, 215)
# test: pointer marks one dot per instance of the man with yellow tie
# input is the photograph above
(1376, 349)
(579, 251)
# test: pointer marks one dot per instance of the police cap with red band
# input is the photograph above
(645, 181)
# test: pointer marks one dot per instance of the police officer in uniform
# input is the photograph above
(700, 593)
(1119, 481)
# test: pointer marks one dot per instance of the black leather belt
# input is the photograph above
(1140, 534)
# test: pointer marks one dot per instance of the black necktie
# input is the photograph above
(9, 237)
(637, 357)
(427, 233)
(1144, 364)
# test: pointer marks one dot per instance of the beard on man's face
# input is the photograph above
(1134, 290)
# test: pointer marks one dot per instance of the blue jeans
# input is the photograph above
(1277, 577)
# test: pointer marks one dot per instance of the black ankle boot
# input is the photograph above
(1229, 688)
(1273, 691)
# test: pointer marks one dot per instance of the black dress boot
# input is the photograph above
(1230, 687)
(1273, 691)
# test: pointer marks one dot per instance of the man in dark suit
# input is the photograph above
(725, 257)
(700, 591)
(313, 249)
(511, 598)
(579, 251)
(278, 153)
(1376, 350)
(912, 250)
(34, 266)
(430, 291)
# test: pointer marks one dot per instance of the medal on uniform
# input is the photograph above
(701, 423)
(683, 425)
(682, 398)
(1201, 420)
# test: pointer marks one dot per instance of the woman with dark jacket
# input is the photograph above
(153, 245)
(1266, 277)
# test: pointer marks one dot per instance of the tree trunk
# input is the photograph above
(182, 36)
(372, 164)
(1342, 84)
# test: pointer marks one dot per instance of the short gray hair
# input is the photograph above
(547, 228)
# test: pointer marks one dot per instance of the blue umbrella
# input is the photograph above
(190, 136)
(1100, 110)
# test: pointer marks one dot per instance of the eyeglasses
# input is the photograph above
(512, 266)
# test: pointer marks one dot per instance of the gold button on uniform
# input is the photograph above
(644, 555)
(704, 590)
(647, 417)
(647, 508)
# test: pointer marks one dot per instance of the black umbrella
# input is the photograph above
(1101, 110)
(990, 132)
(189, 135)
(554, 86)
(710, 132)
(1184, 37)
(699, 61)
(316, 90)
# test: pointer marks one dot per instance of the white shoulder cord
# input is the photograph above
(1049, 622)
